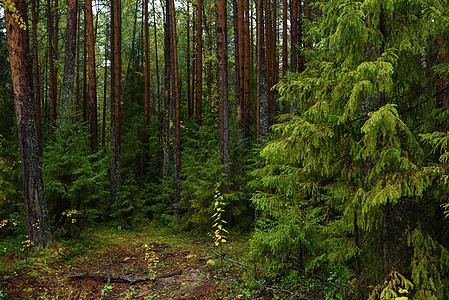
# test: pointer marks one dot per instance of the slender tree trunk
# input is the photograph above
(261, 73)
(176, 114)
(51, 53)
(189, 98)
(147, 78)
(294, 14)
(238, 79)
(115, 168)
(269, 55)
(85, 97)
(77, 84)
(166, 129)
(105, 90)
(56, 48)
(222, 87)
(193, 91)
(275, 60)
(92, 78)
(284, 37)
(69, 58)
(241, 63)
(36, 217)
(37, 79)
(209, 64)
(157, 58)
(199, 63)
(247, 61)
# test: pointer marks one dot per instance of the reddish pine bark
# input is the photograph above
(92, 78)
(51, 53)
(294, 35)
(284, 38)
(85, 97)
(36, 217)
(116, 85)
(189, 98)
(105, 89)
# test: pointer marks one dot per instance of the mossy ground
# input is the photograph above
(146, 252)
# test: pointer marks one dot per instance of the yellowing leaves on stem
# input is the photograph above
(9, 6)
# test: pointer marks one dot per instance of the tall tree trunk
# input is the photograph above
(176, 114)
(92, 78)
(36, 217)
(247, 61)
(284, 37)
(56, 48)
(241, 63)
(238, 79)
(294, 14)
(37, 79)
(85, 97)
(199, 63)
(261, 73)
(166, 129)
(269, 55)
(147, 79)
(189, 98)
(193, 91)
(222, 87)
(275, 60)
(77, 84)
(157, 59)
(105, 90)
(51, 53)
(115, 168)
(209, 63)
(69, 59)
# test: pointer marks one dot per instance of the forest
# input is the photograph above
(260, 149)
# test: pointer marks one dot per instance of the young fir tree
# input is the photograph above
(350, 167)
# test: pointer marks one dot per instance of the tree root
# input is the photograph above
(109, 278)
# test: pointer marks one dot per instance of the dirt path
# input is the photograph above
(85, 276)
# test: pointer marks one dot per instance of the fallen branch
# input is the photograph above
(108, 278)
(230, 260)
(15, 276)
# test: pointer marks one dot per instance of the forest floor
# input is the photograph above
(119, 264)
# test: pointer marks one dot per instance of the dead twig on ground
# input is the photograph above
(15, 276)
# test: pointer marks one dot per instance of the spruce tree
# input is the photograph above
(351, 167)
